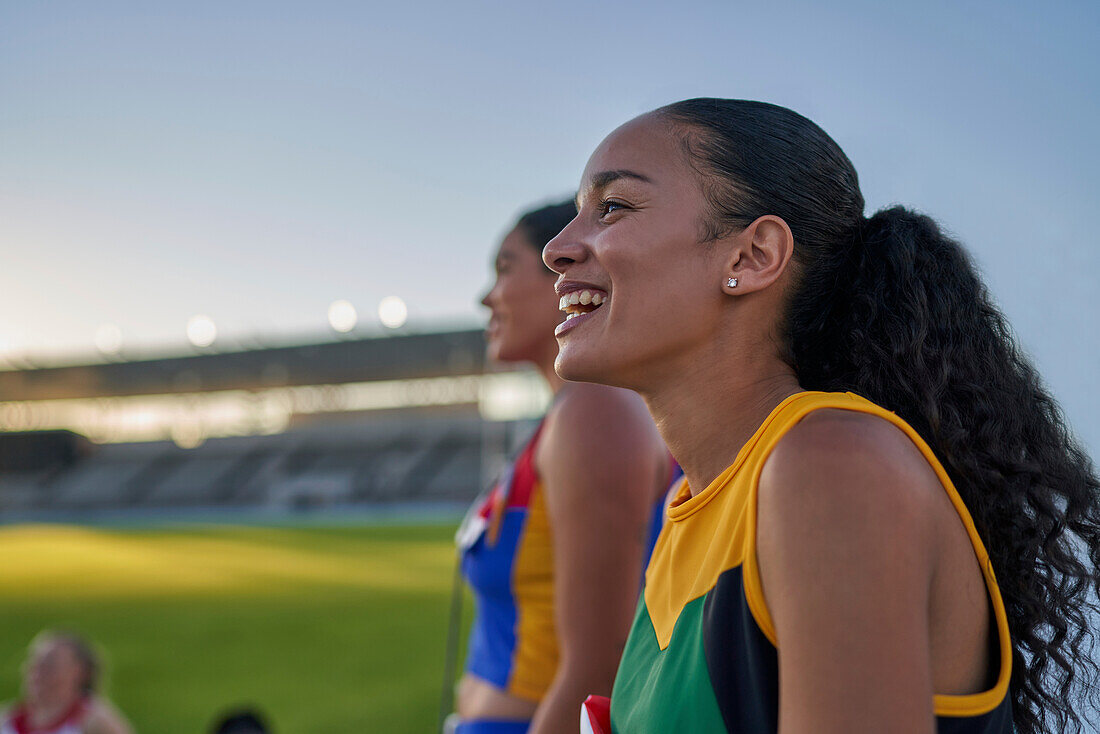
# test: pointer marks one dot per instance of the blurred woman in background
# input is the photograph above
(885, 524)
(555, 552)
(60, 679)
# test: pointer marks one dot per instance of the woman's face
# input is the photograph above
(52, 674)
(524, 309)
(635, 244)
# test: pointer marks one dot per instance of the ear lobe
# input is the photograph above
(761, 255)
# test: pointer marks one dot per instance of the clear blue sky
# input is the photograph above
(255, 161)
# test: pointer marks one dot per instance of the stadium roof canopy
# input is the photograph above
(405, 356)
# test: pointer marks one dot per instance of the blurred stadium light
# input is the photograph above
(201, 331)
(108, 339)
(392, 312)
(342, 316)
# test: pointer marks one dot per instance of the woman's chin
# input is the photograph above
(497, 350)
(505, 354)
(577, 368)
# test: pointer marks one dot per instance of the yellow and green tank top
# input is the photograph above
(702, 655)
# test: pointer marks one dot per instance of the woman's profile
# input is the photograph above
(885, 523)
(554, 553)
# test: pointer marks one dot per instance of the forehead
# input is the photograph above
(52, 650)
(647, 145)
(517, 244)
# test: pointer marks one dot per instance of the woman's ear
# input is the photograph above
(758, 255)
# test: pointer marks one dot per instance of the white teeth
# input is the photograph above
(581, 298)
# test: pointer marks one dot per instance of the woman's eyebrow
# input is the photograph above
(603, 179)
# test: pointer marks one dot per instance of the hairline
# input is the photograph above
(690, 134)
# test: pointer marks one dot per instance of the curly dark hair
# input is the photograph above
(892, 309)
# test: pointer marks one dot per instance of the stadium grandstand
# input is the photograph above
(368, 422)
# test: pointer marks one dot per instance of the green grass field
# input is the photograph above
(326, 629)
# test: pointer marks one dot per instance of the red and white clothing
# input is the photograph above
(17, 720)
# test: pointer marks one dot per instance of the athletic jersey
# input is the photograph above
(17, 721)
(508, 561)
(701, 656)
(657, 518)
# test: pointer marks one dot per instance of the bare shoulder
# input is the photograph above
(588, 402)
(842, 453)
(846, 475)
(104, 718)
(595, 419)
(600, 445)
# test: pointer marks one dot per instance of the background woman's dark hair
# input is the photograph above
(543, 224)
(892, 309)
(240, 721)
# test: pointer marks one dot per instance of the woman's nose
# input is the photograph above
(564, 250)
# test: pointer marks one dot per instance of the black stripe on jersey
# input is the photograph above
(742, 663)
(744, 669)
(997, 721)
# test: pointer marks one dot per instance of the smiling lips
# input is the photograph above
(580, 302)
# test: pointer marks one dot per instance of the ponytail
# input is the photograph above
(892, 309)
(889, 318)
(910, 326)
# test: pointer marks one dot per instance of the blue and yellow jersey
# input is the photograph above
(509, 564)
(508, 561)
(702, 654)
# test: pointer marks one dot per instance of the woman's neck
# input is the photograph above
(44, 714)
(545, 367)
(708, 414)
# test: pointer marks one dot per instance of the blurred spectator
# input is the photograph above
(60, 678)
(558, 536)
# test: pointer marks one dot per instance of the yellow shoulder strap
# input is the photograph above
(790, 414)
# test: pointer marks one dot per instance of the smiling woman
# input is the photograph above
(555, 550)
(885, 524)
(60, 691)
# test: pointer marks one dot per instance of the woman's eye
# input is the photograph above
(607, 207)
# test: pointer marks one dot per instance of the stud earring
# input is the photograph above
(732, 282)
